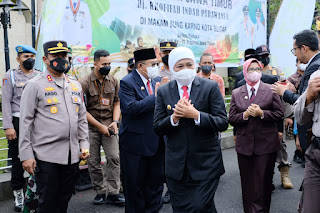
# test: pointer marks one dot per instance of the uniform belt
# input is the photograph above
(316, 142)
(16, 114)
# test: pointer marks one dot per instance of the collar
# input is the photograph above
(312, 58)
(93, 77)
(256, 87)
(189, 86)
(142, 78)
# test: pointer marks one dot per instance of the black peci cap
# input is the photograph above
(144, 54)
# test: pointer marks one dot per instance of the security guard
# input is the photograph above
(263, 52)
(54, 132)
(165, 48)
(103, 114)
(13, 82)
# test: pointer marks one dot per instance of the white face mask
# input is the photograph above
(302, 67)
(185, 76)
(152, 72)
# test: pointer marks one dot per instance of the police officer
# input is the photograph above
(54, 132)
(263, 54)
(165, 48)
(13, 82)
(103, 114)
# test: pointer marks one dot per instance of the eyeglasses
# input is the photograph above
(257, 69)
(294, 50)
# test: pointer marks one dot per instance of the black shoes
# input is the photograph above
(99, 199)
(116, 200)
(166, 198)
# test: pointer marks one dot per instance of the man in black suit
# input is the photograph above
(306, 49)
(190, 111)
(141, 150)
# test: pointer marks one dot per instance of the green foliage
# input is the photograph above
(274, 8)
(316, 13)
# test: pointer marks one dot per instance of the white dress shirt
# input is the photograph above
(181, 91)
(256, 87)
(145, 81)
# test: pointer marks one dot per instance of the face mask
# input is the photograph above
(254, 76)
(152, 72)
(206, 69)
(29, 63)
(59, 65)
(105, 70)
(165, 60)
(185, 77)
(265, 61)
(302, 67)
(69, 67)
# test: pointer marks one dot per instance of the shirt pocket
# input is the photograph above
(76, 101)
(52, 105)
(18, 87)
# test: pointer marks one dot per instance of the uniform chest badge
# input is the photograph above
(49, 89)
(55, 100)
(49, 78)
(75, 89)
(75, 99)
(142, 88)
(168, 107)
(77, 109)
(73, 85)
(49, 101)
(53, 110)
(246, 97)
(21, 84)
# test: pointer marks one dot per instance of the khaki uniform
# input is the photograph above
(273, 71)
(54, 120)
(11, 94)
(102, 111)
(163, 72)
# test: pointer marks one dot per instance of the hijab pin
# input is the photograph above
(246, 97)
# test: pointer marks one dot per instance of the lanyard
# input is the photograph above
(100, 91)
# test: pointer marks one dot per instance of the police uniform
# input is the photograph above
(100, 101)
(12, 86)
(264, 50)
(55, 127)
(164, 70)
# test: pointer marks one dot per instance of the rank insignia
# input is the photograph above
(49, 101)
(53, 110)
(75, 89)
(168, 107)
(49, 89)
(55, 100)
(49, 78)
(77, 109)
(5, 81)
(142, 88)
(73, 85)
(246, 97)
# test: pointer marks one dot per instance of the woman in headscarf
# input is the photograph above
(255, 110)
(190, 111)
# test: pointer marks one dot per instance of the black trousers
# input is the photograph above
(190, 196)
(55, 185)
(17, 180)
(143, 181)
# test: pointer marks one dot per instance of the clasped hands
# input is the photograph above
(184, 109)
(253, 110)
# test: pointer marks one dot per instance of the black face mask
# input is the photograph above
(165, 60)
(105, 70)
(68, 69)
(265, 61)
(59, 65)
(206, 68)
(29, 63)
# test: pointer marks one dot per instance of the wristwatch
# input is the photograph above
(116, 122)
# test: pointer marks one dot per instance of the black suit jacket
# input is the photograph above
(239, 77)
(188, 145)
(291, 97)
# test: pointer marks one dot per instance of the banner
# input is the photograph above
(224, 28)
(293, 17)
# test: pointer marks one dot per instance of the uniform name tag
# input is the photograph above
(105, 101)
